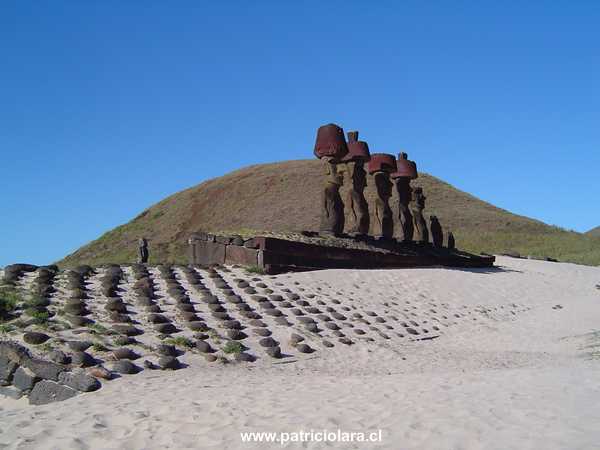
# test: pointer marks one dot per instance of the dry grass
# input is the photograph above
(285, 197)
(595, 232)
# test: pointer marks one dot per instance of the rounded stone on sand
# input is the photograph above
(125, 353)
(124, 367)
(35, 338)
(169, 363)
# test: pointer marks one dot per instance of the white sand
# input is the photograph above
(516, 377)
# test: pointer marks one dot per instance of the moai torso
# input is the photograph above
(332, 207)
(437, 235)
(143, 250)
(358, 219)
(451, 241)
(384, 221)
(417, 206)
(405, 222)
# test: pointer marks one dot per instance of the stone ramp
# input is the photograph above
(87, 326)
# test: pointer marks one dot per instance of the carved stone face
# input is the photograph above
(359, 176)
(334, 173)
(417, 194)
(383, 185)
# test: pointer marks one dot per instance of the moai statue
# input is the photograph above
(358, 153)
(332, 207)
(380, 166)
(451, 241)
(437, 235)
(331, 147)
(417, 206)
(143, 251)
(405, 172)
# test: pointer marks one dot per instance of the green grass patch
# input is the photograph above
(99, 347)
(96, 328)
(233, 347)
(6, 328)
(255, 269)
(39, 317)
(9, 299)
(180, 341)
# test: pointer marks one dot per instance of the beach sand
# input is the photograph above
(506, 369)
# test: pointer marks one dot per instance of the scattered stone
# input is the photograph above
(236, 335)
(35, 338)
(327, 344)
(210, 358)
(198, 326)
(100, 372)
(127, 330)
(282, 321)
(157, 318)
(268, 342)
(11, 392)
(79, 380)
(274, 312)
(115, 304)
(266, 305)
(273, 352)
(82, 359)
(304, 348)
(44, 369)
(221, 316)
(169, 363)
(303, 319)
(216, 307)
(75, 308)
(125, 367)
(79, 346)
(24, 379)
(78, 321)
(312, 327)
(244, 357)
(231, 324)
(186, 307)
(46, 391)
(119, 318)
(412, 331)
(295, 339)
(166, 350)
(58, 357)
(261, 332)
(165, 328)
(345, 340)
(125, 353)
(251, 315)
(204, 347)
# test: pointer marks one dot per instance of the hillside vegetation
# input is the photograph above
(594, 232)
(285, 197)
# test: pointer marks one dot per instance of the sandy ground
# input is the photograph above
(514, 371)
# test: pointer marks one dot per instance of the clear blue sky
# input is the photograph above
(108, 107)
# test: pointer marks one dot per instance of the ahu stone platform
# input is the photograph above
(309, 251)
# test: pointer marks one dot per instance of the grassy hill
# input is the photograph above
(285, 197)
(594, 232)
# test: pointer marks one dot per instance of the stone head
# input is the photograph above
(383, 184)
(334, 172)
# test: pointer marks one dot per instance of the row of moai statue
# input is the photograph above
(342, 157)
